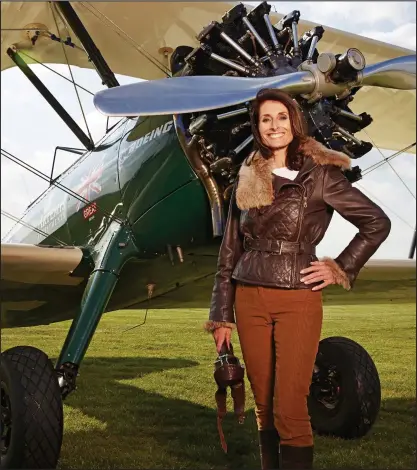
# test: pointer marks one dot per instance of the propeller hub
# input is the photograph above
(324, 85)
(354, 58)
(326, 62)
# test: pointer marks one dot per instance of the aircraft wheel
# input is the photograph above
(345, 393)
(31, 410)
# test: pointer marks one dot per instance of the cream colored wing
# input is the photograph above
(33, 277)
(32, 264)
(132, 37)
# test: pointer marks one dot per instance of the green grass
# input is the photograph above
(145, 398)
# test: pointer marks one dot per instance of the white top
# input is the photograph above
(285, 173)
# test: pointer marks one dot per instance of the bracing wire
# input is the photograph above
(57, 73)
(379, 164)
(392, 168)
(38, 173)
(126, 37)
(139, 48)
(384, 205)
(25, 29)
(70, 71)
(32, 227)
(67, 29)
(386, 159)
(57, 184)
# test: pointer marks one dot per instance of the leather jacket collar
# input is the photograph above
(255, 185)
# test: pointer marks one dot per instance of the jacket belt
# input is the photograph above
(278, 246)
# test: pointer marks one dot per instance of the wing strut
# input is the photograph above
(413, 246)
(107, 76)
(50, 98)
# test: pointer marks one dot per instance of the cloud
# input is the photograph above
(405, 166)
(336, 14)
(369, 19)
(403, 36)
(43, 73)
(359, 13)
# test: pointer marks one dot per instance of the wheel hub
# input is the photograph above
(326, 387)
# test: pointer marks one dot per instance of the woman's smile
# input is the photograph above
(275, 125)
(276, 135)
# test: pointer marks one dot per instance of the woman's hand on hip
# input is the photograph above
(221, 335)
(319, 271)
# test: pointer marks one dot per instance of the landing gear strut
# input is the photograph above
(32, 389)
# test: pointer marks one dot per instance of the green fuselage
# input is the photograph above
(138, 173)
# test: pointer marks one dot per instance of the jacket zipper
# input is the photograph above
(303, 206)
(301, 217)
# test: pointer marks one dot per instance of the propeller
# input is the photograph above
(188, 94)
(399, 73)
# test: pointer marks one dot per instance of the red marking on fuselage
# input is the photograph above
(90, 210)
(90, 186)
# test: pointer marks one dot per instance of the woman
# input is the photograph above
(269, 281)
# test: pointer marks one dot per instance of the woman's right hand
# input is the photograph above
(221, 335)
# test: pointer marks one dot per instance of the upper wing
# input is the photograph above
(128, 33)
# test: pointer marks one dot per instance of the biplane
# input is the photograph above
(141, 213)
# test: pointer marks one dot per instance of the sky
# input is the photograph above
(31, 130)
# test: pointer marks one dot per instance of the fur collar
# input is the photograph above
(255, 180)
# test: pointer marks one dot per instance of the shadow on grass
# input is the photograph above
(157, 432)
(141, 429)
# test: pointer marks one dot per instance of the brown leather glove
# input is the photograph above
(228, 372)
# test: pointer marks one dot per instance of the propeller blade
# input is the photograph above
(399, 73)
(188, 94)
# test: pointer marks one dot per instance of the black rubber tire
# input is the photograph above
(360, 390)
(28, 376)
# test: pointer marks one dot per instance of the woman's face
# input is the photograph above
(275, 125)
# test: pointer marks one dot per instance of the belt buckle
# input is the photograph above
(279, 251)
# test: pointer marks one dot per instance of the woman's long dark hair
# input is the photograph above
(299, 127)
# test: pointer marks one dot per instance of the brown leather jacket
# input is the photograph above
(274, 225)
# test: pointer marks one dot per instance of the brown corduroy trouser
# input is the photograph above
(279, 331)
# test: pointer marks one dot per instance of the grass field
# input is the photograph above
(145, 398)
